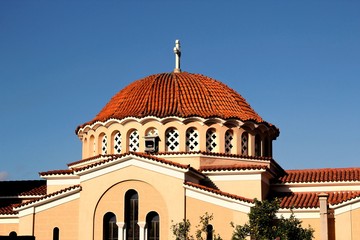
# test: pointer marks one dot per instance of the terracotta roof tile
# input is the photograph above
(142, 155)
(321, 175)
(109, 158)
(311, 200)
(7, 209)
(233, 167)
(57, 172)
(177, 94)
(50, 195)
(218, 192)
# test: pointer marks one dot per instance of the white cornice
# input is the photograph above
(300, 213)
(130, 160)
(9, 219)
(55, 199)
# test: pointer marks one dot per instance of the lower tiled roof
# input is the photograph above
(7, 205)
(321, 175)
(311, 200)
(235, 167)
(51, 195)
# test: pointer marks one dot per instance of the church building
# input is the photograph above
(169, 147)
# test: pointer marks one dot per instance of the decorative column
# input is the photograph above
(323, 200)
(142, 234)
(121, 230)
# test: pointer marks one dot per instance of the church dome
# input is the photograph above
(180, 94)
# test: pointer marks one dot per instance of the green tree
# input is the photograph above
(181, 230)
(263, 225)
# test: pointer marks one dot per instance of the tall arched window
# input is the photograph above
(172, 140)
(211, 140)
(92, 146)
(244, 143)
(104, 144)
(134, 141)
(192, 140)
(117, 143)
(228, 141)
(153, 226)
(257, 145)
(266, 147)
(131, 215)
(56, 233)
(110, 229)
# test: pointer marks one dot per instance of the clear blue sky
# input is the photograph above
(296, 62)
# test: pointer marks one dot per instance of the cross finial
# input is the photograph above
(177, 52)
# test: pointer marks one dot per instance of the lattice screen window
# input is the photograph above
(192, 140)
(228, 141)
(210, 140)
(172, 140)
(134, 141)
(104, 145)
(244, 143)
(117, 143)
(152, 132)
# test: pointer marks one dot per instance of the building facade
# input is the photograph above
(173, 146)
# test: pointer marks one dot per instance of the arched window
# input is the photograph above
(110, 229)
(131, 215)
(92, 146)
(257, 145)
(192, 140)
(266, 147)
(228, 141)
(244, 143)
(172, 140)
(134, 141)
(153, 226)
(211, 140)
(56, 233)
(117, 143)
(104, 144)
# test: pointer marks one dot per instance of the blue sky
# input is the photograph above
(296, 62)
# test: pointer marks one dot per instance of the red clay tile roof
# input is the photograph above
(50, 195)
(7, 208)
(321, 175)
(311, 200)
(177, 94)
(218, 192)
(112, 157)
(57, 172)
(23, 188)
(233, 167)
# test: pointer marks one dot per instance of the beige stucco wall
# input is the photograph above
(246, 188)
(6, 228)
(347, 225)
(26, 225)
(222, 216)
(64, 216)
(157, 192)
